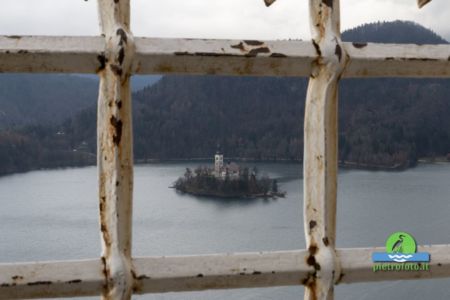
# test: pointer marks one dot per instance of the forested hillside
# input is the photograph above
(383, 122)
(386, 123)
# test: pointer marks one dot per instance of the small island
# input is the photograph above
(227, 181)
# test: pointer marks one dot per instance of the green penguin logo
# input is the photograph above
(401, 242)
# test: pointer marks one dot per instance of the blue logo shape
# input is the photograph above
(400, 247)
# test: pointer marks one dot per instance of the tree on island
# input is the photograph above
(203, 182)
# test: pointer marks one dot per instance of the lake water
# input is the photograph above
(52, 215)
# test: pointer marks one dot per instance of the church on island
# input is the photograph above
(221, 171)
(227, 180)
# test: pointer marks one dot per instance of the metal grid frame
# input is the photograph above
(115, 56)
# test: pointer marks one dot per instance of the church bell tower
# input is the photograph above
(218, 162)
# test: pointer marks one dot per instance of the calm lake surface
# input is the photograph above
(52, 215)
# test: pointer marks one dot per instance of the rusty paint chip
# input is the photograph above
(239, 46)
(256, 51)
(117, 124)
(313, 249)
(253, 43)
(328, 3)
(325, 241)
(359, 45)
(121, 55)
(200, 275)
(105, 268)
(181, 53)
(340, 277)
(310, 282)
(213, 54)
(117, 70)
(269, 2)
(39, 283)
(311, 261)
(74, 281)
(317, 47)
(422, 3)
(312, 224)
(102, 60)
(123, 36)
(256, 273)
(338, 52)
(278, 55)
(422, 59)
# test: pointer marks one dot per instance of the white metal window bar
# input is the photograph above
(115, 56)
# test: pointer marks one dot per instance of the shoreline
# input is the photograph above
(432, 160)
(347, 165)
(231, 196)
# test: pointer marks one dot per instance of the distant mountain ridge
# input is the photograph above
(399, 32)
(49, 99)
(43, 99)
(384, 123)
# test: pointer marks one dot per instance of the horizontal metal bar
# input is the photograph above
(221, 57)
(51, 279)
(50, 54)
(224, 57)
(395, 60)
(221, 271)
(357, 265)
(156, 274)
(202, 272)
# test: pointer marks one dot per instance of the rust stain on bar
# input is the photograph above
(359, 45)
(114, 144)
(269, 2)
(422, 3)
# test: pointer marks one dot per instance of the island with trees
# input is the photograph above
(227, 181)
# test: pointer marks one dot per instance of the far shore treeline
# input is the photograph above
(49, 121)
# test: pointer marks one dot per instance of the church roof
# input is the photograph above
(233, 167)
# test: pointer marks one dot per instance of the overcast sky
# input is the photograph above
(211, 18)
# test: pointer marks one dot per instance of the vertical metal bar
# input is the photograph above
(115, 153)
(320, 153)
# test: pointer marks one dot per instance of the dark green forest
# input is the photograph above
(383, 122)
